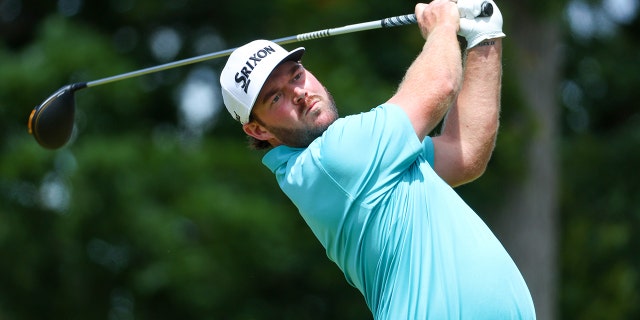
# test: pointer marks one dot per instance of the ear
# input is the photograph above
(257, 131)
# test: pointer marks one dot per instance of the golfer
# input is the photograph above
(374, 188)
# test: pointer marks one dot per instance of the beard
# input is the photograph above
(302, 137)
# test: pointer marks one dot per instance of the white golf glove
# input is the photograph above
(477, 29)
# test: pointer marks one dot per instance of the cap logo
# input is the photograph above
(242, 76)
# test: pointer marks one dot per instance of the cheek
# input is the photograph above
(313, 83)
(279, 117)
(317, 89)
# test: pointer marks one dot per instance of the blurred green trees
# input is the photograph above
(147, 214)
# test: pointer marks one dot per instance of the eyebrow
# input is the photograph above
(272, 91)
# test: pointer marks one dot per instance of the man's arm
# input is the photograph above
(464, 148)
(433, 79)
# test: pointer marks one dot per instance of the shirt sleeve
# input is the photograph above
(366, 152)
(428, 150)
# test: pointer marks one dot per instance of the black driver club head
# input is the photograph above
(51, 122)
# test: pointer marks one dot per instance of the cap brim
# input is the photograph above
(294, 55)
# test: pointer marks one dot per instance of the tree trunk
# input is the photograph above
(528, 222)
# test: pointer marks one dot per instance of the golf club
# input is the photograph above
(51, 122)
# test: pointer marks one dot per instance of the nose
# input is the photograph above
(299, 95)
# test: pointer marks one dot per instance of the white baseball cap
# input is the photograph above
(246, 71)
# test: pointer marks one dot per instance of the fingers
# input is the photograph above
(437, 13)
(438, 10)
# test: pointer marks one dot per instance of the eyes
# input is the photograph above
(296, 79)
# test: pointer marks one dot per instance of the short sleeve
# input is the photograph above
(428, 150)
(369, 150)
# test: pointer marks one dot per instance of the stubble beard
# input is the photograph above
(302, 137)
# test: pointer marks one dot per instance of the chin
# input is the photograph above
(326, 115)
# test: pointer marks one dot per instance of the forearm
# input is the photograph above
(472, 123)
(431, 82)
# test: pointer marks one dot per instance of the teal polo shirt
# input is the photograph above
(400, 234)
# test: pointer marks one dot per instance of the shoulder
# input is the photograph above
(384, 120)
(278, 157)
(369, 139)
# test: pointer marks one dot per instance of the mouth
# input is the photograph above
(310, 106)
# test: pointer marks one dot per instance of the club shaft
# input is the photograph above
(383, 23)
(402, 20)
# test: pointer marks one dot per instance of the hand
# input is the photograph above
(436, 14)
(475, 30)
(470, 9)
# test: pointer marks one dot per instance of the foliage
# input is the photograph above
(600, 264)
(141, 217)
(600, 197)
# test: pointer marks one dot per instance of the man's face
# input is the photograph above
(293, 108)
